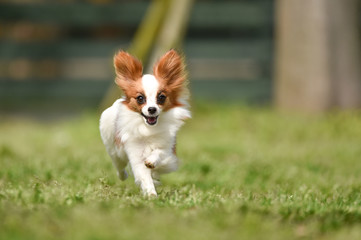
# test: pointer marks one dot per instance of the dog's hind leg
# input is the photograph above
(120, 161)
(120, 165)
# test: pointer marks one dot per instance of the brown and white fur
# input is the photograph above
(140, 128)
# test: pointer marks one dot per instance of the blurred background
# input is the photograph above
(303, 55)
(247, 172)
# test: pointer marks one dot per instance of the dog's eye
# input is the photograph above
(140, 99)
(161, 98)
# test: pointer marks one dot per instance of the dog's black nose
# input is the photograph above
(152, 110)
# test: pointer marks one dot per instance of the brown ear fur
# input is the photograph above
(171, 69)
(127, 68)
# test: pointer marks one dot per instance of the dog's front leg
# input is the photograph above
(142, 174)
(162, 161)
(153, 159)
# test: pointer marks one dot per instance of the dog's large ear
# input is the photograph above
(171, 69)
(127, 68)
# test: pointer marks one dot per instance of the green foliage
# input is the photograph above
(246, 173)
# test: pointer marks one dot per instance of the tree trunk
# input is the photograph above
(317, 55)
(345, 46)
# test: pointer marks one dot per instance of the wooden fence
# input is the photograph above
(59, 54)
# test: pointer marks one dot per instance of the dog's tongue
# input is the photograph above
(152, 120)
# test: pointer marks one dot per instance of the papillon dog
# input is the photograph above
(140, 128)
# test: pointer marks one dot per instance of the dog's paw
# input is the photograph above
(150, 193)
(123, 175)
(152, 161)
(149, 164)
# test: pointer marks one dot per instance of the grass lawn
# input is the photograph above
(247, 173)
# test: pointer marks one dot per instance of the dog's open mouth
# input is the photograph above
(150, 120)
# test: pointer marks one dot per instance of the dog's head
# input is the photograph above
(150, 95)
